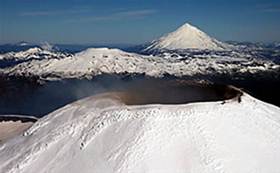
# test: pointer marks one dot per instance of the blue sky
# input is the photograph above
(135, 21)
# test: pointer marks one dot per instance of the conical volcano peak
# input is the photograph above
(188, 30)
(187, 37)
(187, 26)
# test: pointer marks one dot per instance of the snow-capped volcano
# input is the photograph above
(187, 37)
(104, 134)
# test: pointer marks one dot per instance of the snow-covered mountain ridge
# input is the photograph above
(95, 61)
(32, 53)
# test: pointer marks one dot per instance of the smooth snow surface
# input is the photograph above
(103, 134)
(187, 37)
(13, 125)
(10, 129)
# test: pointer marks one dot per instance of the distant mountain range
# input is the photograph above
(54, 65)
(184, 52)
(186, 37)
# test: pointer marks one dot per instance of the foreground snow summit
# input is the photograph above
(104, 134)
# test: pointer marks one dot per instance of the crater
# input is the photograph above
(21, 97)
(177, 92)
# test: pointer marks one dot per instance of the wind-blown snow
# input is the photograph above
(103, 134)
(95, 61)
(187, 37)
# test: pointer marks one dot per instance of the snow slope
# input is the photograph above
(187, 37)
(95, 61)
(103, 134)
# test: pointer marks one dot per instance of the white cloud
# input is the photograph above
(118, 16)
(51, 13)
(271, 9)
